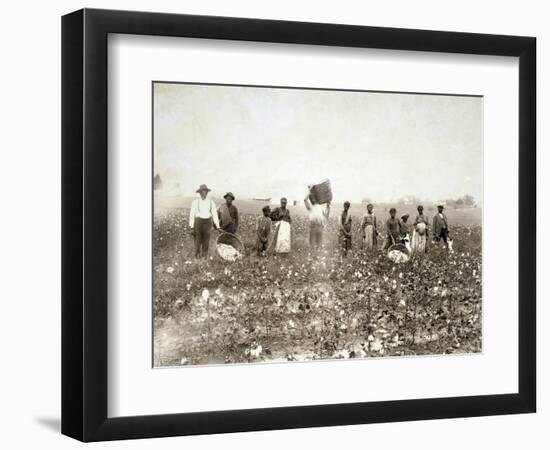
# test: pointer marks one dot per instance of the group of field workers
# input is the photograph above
(273, 226)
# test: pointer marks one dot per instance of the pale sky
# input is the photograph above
(274, 142)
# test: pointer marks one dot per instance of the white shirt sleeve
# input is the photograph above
(192, 213)
(214, 213)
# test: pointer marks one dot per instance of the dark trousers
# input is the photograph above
(202, 236)
(443, 234)
(315, 235)
(261, 246)
(345, 242)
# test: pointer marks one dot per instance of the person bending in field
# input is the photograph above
(369, 227)
(281, 217)
(441, 227)
(318, 216)
(263, 230)
(345, 229)
(203, 213)
(393, 230)
(229, 214)
(420, 232)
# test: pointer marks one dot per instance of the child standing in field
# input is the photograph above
(420, 232)
(345, 229)
(406, 228)
(369, 226)
(263, 230)
(393, 230)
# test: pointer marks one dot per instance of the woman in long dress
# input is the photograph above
(282, 240)
(370, 229)
(420, 232)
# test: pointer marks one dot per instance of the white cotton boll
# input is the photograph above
(205, 294)
(228, 252)
(377, 346)
(256, 352)
(170, 270)
(342, 354)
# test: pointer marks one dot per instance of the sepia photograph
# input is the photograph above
(299, 224)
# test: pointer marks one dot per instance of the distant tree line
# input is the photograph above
(467, 201)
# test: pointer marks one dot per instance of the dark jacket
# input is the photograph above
(229, 218)
(439, 223)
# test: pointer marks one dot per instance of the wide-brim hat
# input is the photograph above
(203, 187)
(404, 216)
(441, 206)
(229, 194)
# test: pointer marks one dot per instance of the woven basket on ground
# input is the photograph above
(229, 239)
(401, 247)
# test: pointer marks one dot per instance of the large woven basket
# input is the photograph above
(401, 247)
(321, 192)
(229, 239)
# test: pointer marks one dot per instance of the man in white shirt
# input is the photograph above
(203, 213)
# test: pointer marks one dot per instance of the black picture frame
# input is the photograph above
(84, 224)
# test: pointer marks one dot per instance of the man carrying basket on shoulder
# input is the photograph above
(318, 217)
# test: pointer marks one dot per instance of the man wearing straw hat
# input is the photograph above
(203, 213)
(441, 226)
(229, 214)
